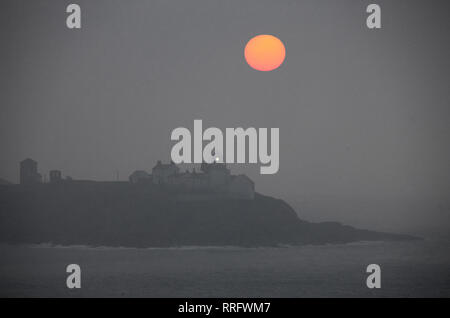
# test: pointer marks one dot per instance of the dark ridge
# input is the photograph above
(136, 215)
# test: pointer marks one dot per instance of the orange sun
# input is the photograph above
(265, 52)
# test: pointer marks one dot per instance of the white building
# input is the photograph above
(214, 181)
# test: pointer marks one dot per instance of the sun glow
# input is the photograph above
(265, 52)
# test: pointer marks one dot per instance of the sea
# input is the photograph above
(408, 269)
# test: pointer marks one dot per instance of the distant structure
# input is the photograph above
(139, 176)
(55, 176)
(214, 181)
(29, 173)
(162, 172)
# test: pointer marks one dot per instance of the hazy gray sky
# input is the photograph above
(361, 112)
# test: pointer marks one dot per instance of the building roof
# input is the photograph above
(140, 172)
(241, 177)
(28, 160)
(189, 175)
(160, 165)
(214, 165)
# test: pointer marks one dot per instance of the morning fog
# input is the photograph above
(239, 143)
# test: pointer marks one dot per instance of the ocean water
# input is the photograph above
(408, 269)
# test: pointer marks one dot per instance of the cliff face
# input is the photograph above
(122, 214)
